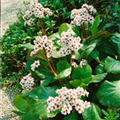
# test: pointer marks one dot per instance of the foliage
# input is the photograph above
(100, 75)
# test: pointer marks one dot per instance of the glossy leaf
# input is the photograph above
(28, 46)
(112, 65)
(63, 27)
(20, 103)
(63, 74)
(82, 73)
(97, 78)
(88, 50)
(95, 25)
(109, 93)
(92, 113)
(116, 43)
(36, 110)
(54, 36)
(56, 54)
(83, 82)
(62, 65)
(99, 69)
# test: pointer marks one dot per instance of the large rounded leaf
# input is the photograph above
(29, 46)
(116, 43)
(82, 73)
(109, 93)
(33, 103)
(62, 65)
(87, 50)
(112, 65)
(64, 27)
(20, 103)
(92, 113)
(63, 74)
(36, 110)
(56, 54)
(40, 93)
(97, 78)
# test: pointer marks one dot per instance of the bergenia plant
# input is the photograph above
(66, 69)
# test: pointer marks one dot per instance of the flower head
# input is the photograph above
(35, 65)
(83, 62)
(67, 100)
(35, 9)
(69, 43)
(83, 15)
(41, 43)
(27, 82)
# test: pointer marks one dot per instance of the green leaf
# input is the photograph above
(109, 93)
(106, 47)
(36, 110)
(20, 103)
(39, 54)
(62, 65)
(20, 113)
(82, 83)
(56, 54)
(28, 46)
(76, 29)
(54, 36)
(97, 78)
(36, 103)
(77, 55)
(99, 69)
(40, 75)
(92, 113)
(95, 25)
(82, 73)
(39, 108)
(72, 116)
(75, 83)
(116, 43)
(48, 76)
(87, 81)
(112, 65)
(45, 92)
(28, 64)
(88, 49)
(63, 74)
(117, 7)
(63, 27)
(41, 93)
(53, 113)
(95, 54)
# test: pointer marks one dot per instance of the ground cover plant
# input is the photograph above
(70, 60)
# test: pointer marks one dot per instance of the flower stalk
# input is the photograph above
(50, 66)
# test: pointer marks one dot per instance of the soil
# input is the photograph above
(9, 10)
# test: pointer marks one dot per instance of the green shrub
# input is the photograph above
(91, 62)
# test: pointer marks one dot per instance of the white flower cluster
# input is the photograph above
(83, 15)
(35, 9)
(35, 65)
(67, 100)
(69, 43)
(83, 62)
(41, 43)
(27, 82)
